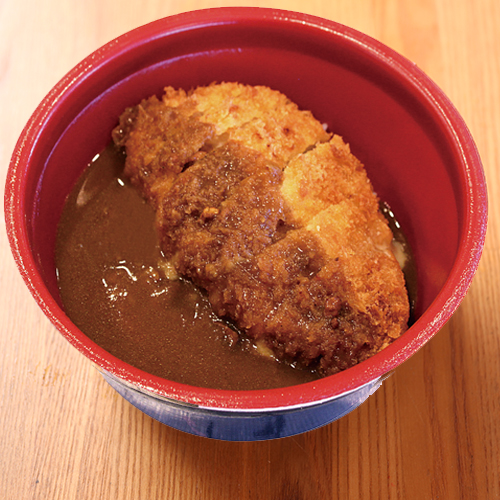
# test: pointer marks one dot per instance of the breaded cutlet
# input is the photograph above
(273, 217)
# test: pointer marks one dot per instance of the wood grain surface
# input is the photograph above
(431, 432)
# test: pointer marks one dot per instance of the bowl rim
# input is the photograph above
(433, 318)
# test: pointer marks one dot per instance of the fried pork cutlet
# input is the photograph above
(273, 217)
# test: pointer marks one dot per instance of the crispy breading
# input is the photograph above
(359, 241)
(255, 116)
(276, 220)
(323, 176)
(163, 136)
(159, 141)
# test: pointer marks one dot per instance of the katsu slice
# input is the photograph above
(359, 242)
(330, 194)
(221, 212)
(255, 116)
(324, 176)
(159, 142)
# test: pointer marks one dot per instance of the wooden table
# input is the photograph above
(431, 432)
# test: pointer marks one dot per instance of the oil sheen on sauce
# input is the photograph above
(117, 288)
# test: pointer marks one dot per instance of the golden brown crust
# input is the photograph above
(160, 141)
(280, 227)
(323, 176)
(255, 116)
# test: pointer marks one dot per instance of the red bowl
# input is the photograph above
(416, 148)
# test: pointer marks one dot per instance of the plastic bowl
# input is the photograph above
(415, 146)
